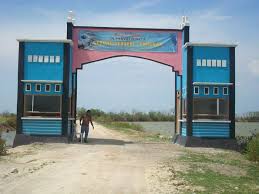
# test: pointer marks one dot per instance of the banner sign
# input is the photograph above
(127, 41)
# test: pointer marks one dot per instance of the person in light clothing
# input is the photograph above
(84, 122)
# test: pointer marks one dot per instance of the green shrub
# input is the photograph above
(11, 121)
(253, 149)
(3, 150)
(7, 121)
(126, 125)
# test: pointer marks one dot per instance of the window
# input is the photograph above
(224, 63)
(29, 58)
(39, 105)
(40, 60)
(57, 88)
(46, 103)
(225, 91)
(51, 59)
(198, 62)
(214, 63)
(47, 87)
(210, 108)
(57, 60)
(206, 91)
(27, 87)
(35, 58)
(209, 63)
(196, 90)
(38, 87)
(46, 59)
(215, 91)
(218, 63)
(27, 105)
(203, 62)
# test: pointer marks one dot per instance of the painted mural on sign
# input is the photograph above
(127, 41)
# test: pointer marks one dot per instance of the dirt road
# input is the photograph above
(109, 163)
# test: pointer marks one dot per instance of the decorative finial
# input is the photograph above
(71, 17)
(185, 21)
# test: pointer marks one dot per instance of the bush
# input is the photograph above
(7, 121)
(244, 140)
(3, 150)
(253, 149)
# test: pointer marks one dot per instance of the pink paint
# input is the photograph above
(81, 56)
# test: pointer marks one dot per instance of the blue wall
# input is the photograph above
(211, 95)
(52, 91)
(211, 74)
(43, 71)
(183, 128)
(42, 127)
(209, 129)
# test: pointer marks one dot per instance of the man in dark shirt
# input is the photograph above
(84, 122)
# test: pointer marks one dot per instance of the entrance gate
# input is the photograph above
(204, 79)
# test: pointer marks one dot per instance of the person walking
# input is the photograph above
(84, 122)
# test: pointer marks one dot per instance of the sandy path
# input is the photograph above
(109, 163)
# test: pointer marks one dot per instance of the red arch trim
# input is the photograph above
(81, 67)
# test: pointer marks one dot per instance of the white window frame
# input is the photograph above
(219, 63)
(40, 59)
(224, 63)
(35, 59)
(57, 59)
(204, 89)
(36, 87)
(214, 90)
(203, 62)
(224, 90)
(46, 88)
(52, 59)
(208, 62)
(46, 59)
(198, 88)
(56, 87)
(213, 63)
(198, 62)
(27, 84)
(29, 58)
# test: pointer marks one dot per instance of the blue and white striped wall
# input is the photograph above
(42, 126)
(208, 129)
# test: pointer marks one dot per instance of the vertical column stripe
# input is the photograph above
(20, 94)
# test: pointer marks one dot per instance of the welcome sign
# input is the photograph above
(127, 41)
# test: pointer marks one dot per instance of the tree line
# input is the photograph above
(248, 117)
(100, 115)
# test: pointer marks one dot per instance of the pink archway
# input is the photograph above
(81, 56)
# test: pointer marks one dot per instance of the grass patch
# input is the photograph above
(200, 173)
(123, 126)
(134, 130)
(219, 158)
(7, 122)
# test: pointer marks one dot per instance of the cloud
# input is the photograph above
(212, 15)
(253, 66)
(144, 4)
(127, 19)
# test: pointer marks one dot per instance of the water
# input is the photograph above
(167, 128)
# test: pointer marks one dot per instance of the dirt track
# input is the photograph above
(109, 163)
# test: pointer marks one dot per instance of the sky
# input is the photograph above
(126, 83)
